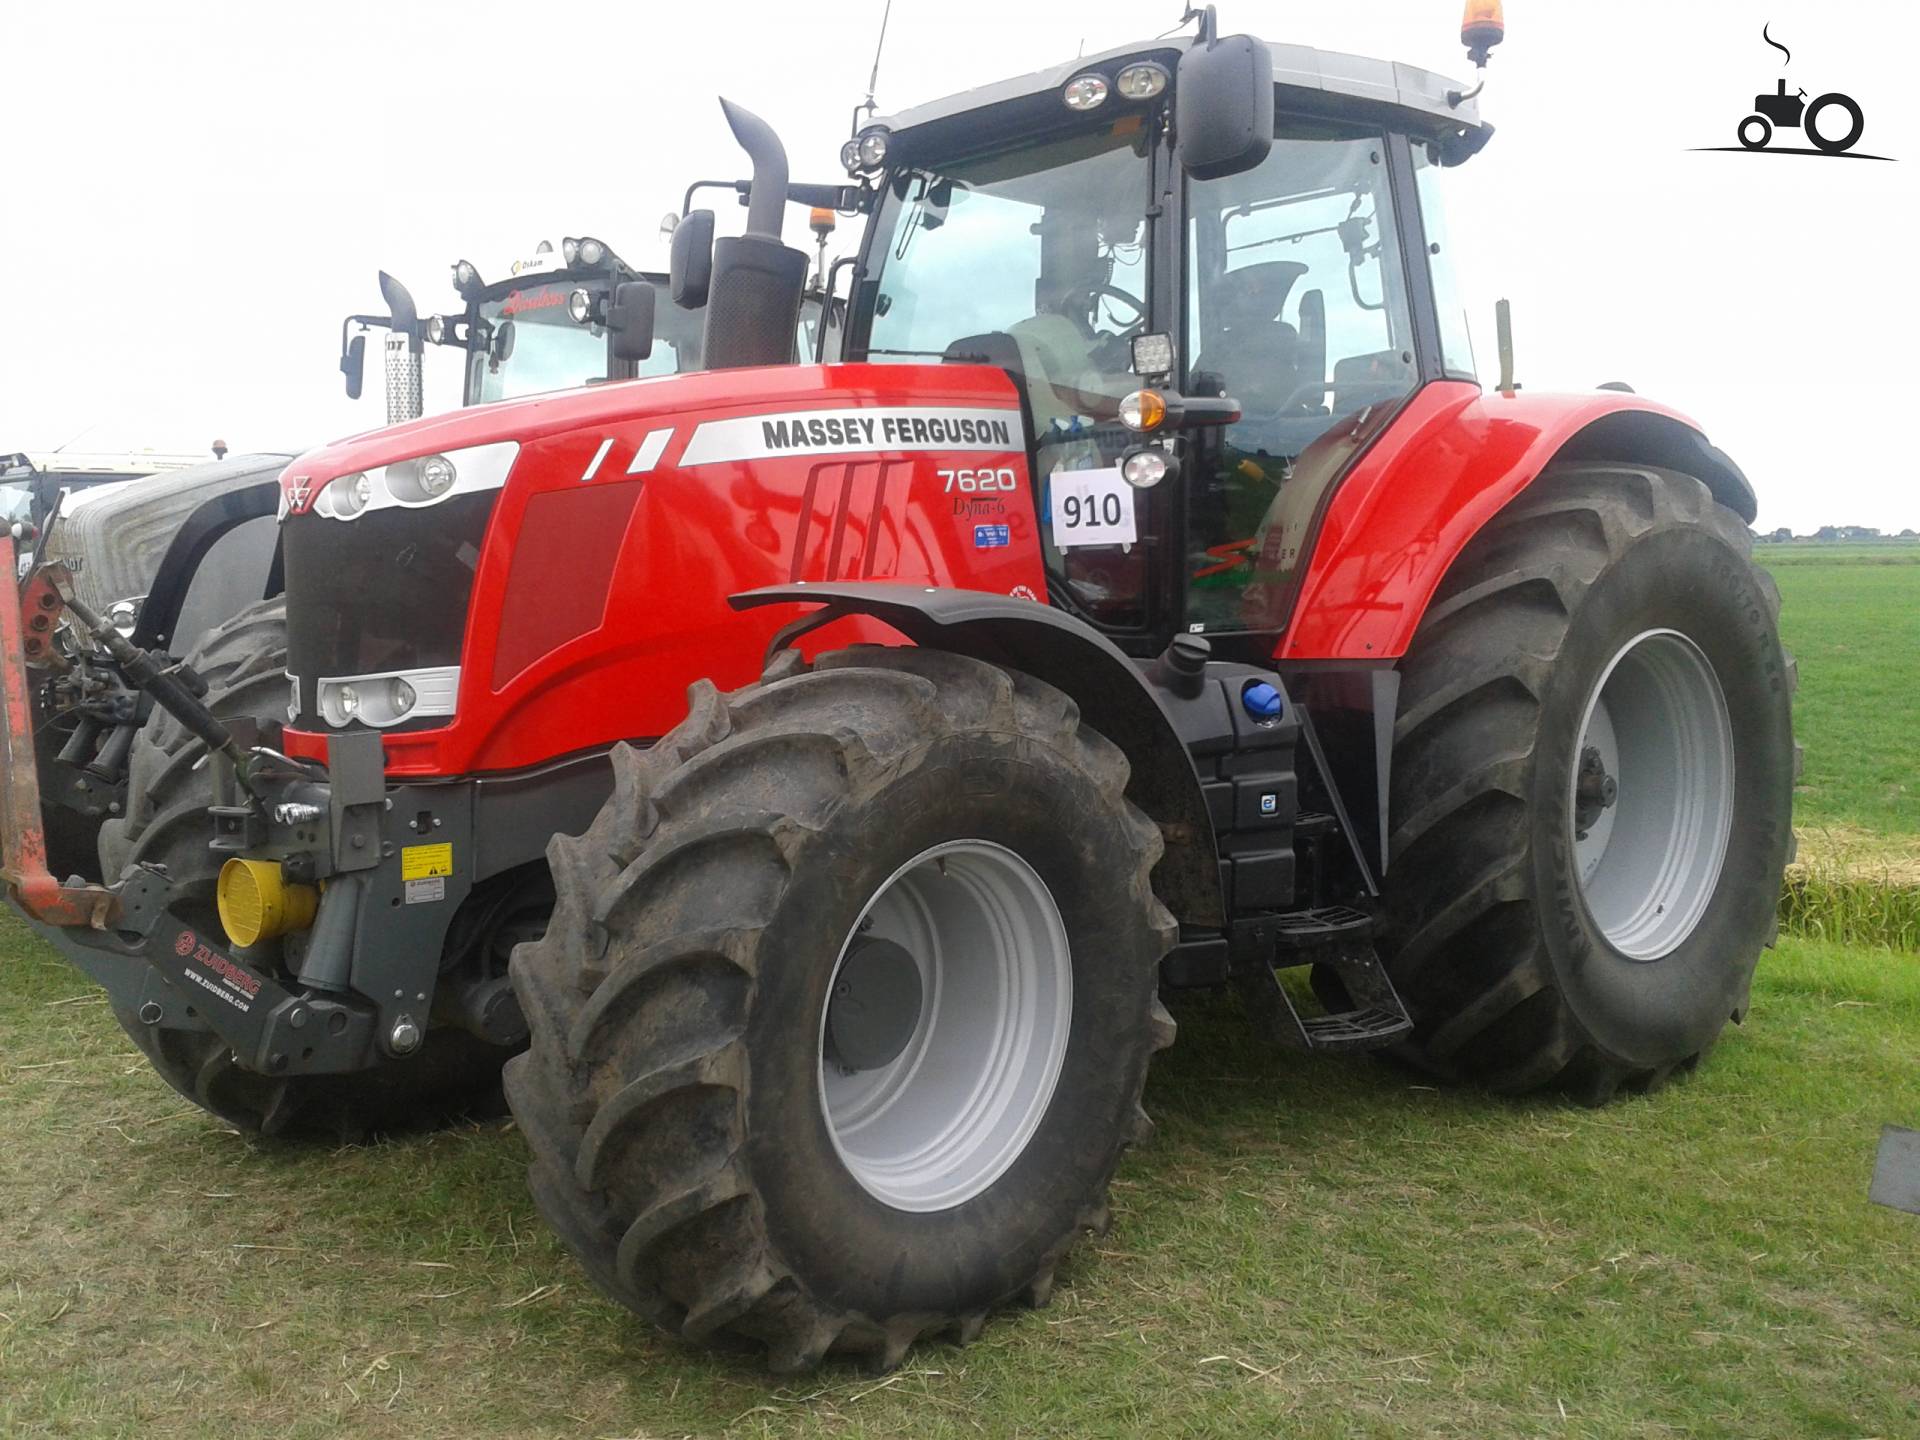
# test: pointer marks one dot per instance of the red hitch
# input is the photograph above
(26, 629)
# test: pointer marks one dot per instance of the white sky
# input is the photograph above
(196, 193)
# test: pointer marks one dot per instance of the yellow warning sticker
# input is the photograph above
(423, 862)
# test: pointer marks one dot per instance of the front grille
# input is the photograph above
(382, 593)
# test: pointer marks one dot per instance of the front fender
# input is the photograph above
(1113, 696)
(1446, 466)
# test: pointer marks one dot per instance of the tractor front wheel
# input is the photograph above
(842, 1019)
(1592, 789)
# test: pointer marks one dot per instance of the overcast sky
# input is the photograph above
(196, 193)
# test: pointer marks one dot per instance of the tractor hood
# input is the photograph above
(886, 400)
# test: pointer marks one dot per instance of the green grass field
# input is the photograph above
(1307, 1247)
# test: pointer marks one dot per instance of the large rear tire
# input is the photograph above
(1591, 806)
(841, 1023)
(244, 662)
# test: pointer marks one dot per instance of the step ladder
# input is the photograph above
(1341, 939)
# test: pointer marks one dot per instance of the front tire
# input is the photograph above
(1592, 789)
(736, 1158)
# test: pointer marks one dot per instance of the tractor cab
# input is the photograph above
(1215, 271)
(554, 320)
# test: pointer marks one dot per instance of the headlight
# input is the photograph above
(591, 251)
(348, 497)
(400, 695)
(569, 250)
(1142, 81)
(1085, 92)
(464, 275)
(425, 480)
(873, 149)
(580, 307)
(850, 156)
(437, 475)
(348, 700)
(1143, 469)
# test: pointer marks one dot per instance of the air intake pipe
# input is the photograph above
(753, 304)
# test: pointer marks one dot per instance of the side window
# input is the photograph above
(1456, 345)
(1297, 308)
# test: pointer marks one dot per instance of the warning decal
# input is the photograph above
(424, 862)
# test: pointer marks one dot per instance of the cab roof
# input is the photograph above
(1420, 95)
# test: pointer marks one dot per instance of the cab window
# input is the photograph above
(1297, 308)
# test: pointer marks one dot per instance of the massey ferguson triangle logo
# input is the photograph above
(1832, 122)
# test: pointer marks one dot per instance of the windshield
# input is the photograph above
(527, 343)
(1034, 260)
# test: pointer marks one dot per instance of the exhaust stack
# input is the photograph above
(753, 305)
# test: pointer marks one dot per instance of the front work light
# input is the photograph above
(873, 149)
(591, 251)
(849, 158)
(1085, 92)
(1153, 354)
(464, 275)
(1141, 81)
(580, 307)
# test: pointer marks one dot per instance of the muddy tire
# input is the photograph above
(701, 1092)
(244, 662)
(1592, 789)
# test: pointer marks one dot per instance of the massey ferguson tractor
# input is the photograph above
(822, 770)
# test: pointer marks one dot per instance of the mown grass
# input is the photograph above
(1307, 1247)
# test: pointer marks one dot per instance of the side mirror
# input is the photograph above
(353, 364)
(691, 267)
(500, 346)
(1223, 106)
(630, 319)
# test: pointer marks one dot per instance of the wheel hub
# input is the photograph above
(945, 1028)
(1594, 790)
(1651, 794)
(875, 1006)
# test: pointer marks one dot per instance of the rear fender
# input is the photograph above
(160, 612)
(1113, 696)
(1449, 463)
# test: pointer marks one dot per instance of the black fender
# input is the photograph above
(1114, 697)
(1646, 437)
(160, 611)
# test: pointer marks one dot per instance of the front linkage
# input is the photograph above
(356, 992)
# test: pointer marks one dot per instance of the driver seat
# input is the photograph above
(1253, 350)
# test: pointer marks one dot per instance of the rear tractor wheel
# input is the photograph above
(841, 1024)
(1592, 789)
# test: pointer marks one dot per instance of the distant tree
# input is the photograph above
(1908, 534)
(1781, 535)
(1827, 532)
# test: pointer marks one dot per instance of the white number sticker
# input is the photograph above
(1090, 507)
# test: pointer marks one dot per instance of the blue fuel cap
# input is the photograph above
(1262, 701)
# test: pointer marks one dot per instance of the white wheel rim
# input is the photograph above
(956, 1107)
(1650, 861)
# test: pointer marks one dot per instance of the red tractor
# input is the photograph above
(822, 770)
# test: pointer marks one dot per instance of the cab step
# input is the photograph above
(1340, 939)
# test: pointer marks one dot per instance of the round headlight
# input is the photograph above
(591, 252)
(569, 250)
(1085, 92)
(1144, 469)
(873, 149)
(1142, 81)
(122, 614)
(464, 275)
(436, 328)
(1143, 410)
(580, 307)
(437, 475)
(850, 156)
(350, 496)
(400, 695)
(348, 699)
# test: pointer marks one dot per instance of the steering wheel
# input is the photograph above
(1083, 304)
